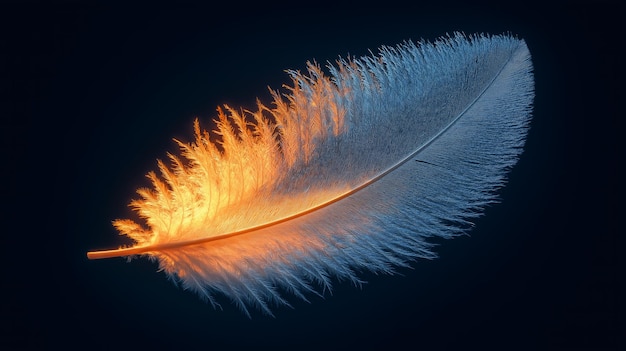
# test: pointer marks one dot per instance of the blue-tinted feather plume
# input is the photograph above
(348, 172)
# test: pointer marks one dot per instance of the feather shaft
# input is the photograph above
(160, 247)
(330, 189)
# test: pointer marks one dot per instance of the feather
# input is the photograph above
(349, 171)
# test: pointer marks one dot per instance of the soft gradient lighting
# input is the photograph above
(325, 185)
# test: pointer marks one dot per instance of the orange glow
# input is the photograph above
(251, 182)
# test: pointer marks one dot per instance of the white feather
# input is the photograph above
(350, 173)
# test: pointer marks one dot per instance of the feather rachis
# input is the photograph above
(342, 193)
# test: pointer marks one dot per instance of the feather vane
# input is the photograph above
(348, 172)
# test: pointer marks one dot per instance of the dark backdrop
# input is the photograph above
(91, 95)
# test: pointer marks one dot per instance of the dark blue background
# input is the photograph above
(92, 95)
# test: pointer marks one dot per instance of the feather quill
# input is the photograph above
(349, 171)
